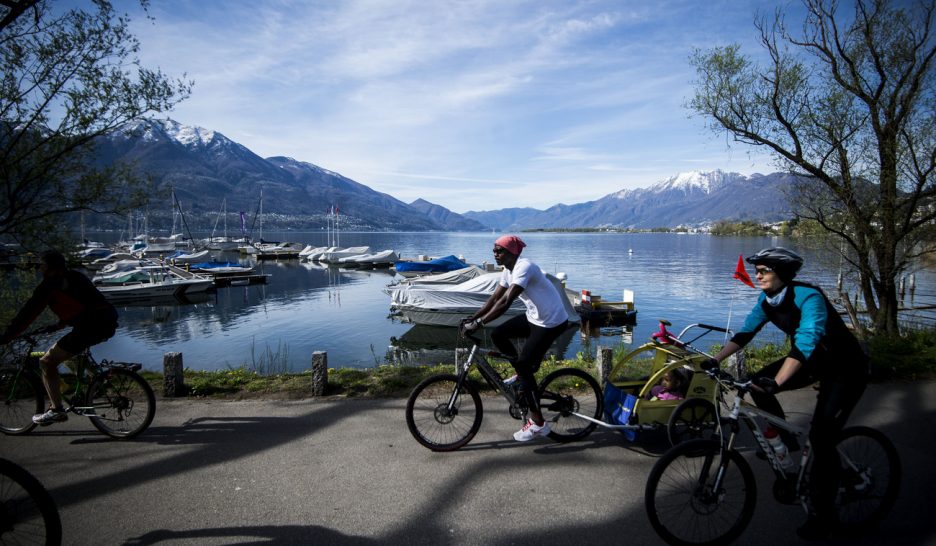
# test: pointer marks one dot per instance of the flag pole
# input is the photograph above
(742, 275)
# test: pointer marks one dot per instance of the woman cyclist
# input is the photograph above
(823, 350)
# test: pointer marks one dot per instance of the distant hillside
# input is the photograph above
(204, 167)
(688, 199)
(445, 217)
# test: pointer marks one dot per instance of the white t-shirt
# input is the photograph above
(543, 302)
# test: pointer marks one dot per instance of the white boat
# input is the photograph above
(158, 245)
(90, 254)
(313, 254)
(385, 258)
(448, 278)
(222, 242)
(276, 251)
(448, 304)
(332, 256)
(120, 269)
(153, 281)
(101, 263)
(180, 257)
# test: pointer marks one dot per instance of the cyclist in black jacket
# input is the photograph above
(77, 303)
(823, 350)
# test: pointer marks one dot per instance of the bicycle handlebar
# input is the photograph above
(471, 337)
(712, 328)
(724, 377)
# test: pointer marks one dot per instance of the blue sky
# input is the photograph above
(473, 105)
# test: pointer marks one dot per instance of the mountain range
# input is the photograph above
(687, 199)
(204, 167)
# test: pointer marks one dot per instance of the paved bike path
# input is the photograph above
(348, 472)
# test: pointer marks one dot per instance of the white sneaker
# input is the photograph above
(511, 380)
(52, 415)
(531, 430)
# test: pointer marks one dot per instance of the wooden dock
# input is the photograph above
(241, 280)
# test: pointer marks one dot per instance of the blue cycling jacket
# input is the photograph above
(816, 330)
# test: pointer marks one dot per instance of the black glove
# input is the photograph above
(709, 364)
(767, 384)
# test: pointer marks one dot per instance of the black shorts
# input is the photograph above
(88, 333)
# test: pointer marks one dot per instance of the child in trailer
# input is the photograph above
(673, 386)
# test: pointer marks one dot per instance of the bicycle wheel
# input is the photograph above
(684, 504)
(693, 419)
(565, 392)
(430, 420)
(21, 397)
(27, 512)
(123, 403)
(870, 478)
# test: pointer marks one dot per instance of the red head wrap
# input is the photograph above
(512, 243)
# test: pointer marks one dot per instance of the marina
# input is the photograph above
(307, 306)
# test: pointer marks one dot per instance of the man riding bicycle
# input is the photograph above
(77, 303)
(545, 319)
(822, 349)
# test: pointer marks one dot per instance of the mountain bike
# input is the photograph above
(703, 491)
(28, 514)
(117, 400)
(443, 412)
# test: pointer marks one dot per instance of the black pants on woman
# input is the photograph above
(527, 362)
(837, 397)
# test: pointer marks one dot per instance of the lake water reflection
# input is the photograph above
(306, 308)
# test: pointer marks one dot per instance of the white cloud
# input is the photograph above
(467, 104)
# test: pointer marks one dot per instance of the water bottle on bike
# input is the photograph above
(780, 451)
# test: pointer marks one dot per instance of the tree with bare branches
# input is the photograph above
(848, 102)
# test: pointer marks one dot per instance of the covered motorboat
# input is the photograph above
(183, 257)
(451, 278)
(221, 268)
(333, 256)
(411, 268)
(384, 258)
(448, 304)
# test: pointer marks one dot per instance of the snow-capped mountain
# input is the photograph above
(204, 167)
(691, 198)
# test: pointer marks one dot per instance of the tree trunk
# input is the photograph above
(885, 322)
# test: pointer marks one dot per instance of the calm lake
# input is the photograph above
(305, 307)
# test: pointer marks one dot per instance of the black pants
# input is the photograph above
(836, 399)
(527, 362)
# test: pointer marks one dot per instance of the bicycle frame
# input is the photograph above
(86, 369)
(493, 378)
(742, 411)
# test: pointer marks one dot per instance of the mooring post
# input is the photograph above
(319, 372)
(605, 362)
(173, 376)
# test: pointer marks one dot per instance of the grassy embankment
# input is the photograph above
(910, 357)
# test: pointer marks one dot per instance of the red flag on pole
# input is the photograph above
(741, 273)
